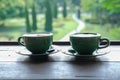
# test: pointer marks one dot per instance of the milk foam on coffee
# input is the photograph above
(37, 35)
(85, 35)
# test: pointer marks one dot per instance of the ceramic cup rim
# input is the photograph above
(37, 35)
(94, 35)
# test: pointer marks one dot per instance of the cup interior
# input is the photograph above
(85, 35)
(37, 35)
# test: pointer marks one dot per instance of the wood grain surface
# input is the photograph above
(58, 65)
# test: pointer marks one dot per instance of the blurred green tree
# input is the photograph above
(64, 9)
(28, 27)
(10, 9)
(104, 10)
(34, 20)
(55, 9)
(112, 8)
(48, 16)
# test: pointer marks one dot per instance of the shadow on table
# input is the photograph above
(34, 59)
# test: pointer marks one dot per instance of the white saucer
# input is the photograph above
(99, 52)
(25, 52)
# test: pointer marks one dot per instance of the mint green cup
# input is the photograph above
(87, 43)
(36, 43)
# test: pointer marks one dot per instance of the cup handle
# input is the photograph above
(106, 45)
(19, 41)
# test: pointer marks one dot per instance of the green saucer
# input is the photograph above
(25, 52)
(72, 52)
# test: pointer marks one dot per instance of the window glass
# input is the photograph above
(61, 17)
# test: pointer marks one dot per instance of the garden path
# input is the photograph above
(81, 25)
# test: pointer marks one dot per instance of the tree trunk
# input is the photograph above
(55, 11)
(34, 25)
(28, 28)
(48, 16)
(64, 9)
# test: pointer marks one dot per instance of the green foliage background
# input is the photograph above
(36, 17)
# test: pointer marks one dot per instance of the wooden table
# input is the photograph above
(58, 65)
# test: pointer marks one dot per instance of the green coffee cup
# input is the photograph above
(87, 43)
(36, 43)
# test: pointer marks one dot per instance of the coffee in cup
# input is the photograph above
(87, 43)
(36, 42)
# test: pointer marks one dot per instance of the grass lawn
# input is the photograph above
(16, 27)
(12, 28)
(106, 30)
(62, 27)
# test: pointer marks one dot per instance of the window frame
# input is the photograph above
(112, 42)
